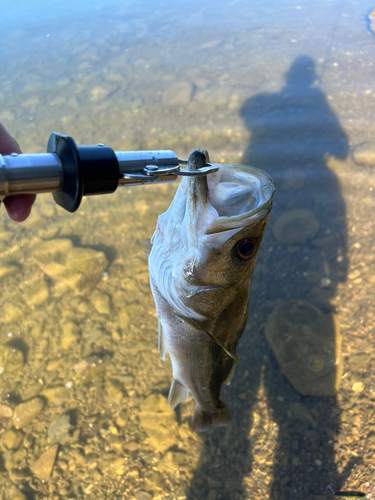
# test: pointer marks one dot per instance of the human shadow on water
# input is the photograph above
(278, 440)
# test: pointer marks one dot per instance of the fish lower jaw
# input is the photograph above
(204, 419)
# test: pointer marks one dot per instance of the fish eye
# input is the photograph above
(245, 249)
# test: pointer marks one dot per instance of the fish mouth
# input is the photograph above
(227, 200)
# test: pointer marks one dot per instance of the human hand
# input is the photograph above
(17, 206)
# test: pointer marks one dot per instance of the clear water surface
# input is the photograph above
(285, 86)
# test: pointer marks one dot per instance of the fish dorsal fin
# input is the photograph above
(177, 393)
(146, 246)
(161, 341)
(196, 325)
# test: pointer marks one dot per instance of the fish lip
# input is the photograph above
(267, 188)
(193, 290)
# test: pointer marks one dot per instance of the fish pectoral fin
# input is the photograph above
(146, 246)
(194, 324)
(161, 341)
(177, 393)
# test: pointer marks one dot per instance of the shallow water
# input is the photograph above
(287, 87)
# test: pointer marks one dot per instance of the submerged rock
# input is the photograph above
(102, 303)
(307, 345)
(37, 294)
(58, 431)
(180, 94)
(142, 495)
(295, 226)
(26, 412)
(71, 333)
(43, 467)
(364, 153)
(11, 439)
(5, 411)
(159, 422)
(76, 268)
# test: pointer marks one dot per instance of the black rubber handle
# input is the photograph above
(87, 170)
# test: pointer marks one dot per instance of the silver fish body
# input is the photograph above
(204, 251)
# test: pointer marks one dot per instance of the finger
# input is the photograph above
(7, 143)
(19, 207)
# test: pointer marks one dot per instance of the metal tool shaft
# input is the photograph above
(33, 174)
(43, 173)
(71, 172)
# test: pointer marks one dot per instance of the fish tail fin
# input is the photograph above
(204, 420)
(177, 393)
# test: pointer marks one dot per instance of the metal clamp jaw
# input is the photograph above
(71, 172)
(154, 173)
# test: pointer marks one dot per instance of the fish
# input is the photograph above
(203, 253)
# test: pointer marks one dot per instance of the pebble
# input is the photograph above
(71, 333)
(364, 154)
(114, 77)
(179, 94)
(169, 463)
(159, 422)
(154, 482)
(357, 360)
(132, 446)
(37, 294)
(143, 495)
(300, 412)
(307, 346)
(8, 270)
(295, 227)
(102, 303)
(28, 441)
(133, 474)
(5, 411)
(58, 431)
(234, 104)
(26, 412)
(211, 44)
(18, 495)
(202, 83)
(11, 439)
(122, 419)
(32, 102)
(56, 395)
(43, 467)
(358, 387)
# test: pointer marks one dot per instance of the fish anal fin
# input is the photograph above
(161, 341)
(204, 420)
(228, 380)
(177, 393)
